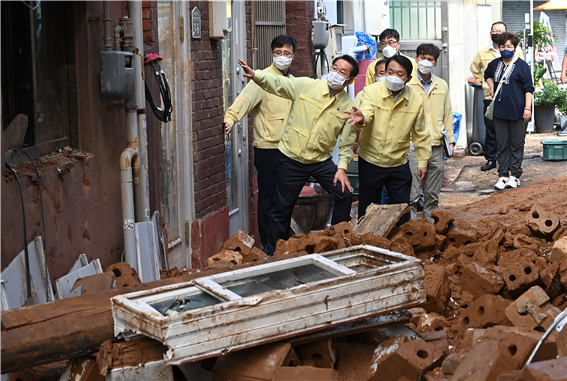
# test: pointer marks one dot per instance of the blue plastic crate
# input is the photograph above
(554, 149)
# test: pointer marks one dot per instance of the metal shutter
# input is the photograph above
(269, 22)
(513, 15)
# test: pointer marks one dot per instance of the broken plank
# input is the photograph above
(381, 219)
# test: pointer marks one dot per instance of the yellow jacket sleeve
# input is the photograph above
(370, 72)
(476, 67)
(249, 98)
(366, 107)
(346, 145)
(421, 140)
(285, 87)
(448, 118)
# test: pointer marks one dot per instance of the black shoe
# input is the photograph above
(420, 205)
(490, 164)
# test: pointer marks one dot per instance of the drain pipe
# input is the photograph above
(106, 20)
(143, 190)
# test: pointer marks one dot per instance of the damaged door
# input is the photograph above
(220, 313)
(176, 135)
(236, 147)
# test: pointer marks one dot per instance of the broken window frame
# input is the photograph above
(393, 281)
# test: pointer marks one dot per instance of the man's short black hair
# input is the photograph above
(498, 22)
(351, 61)
(404, 61)
(427, 49)
(282, 40)
(378, 63)
(387, 33)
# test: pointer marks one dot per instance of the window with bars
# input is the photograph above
(416, 20)
(269, 22)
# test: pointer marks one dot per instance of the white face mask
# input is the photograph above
(335, 80)
(380, 79)
(394, 83)
(425, 66)
(388, 51)
(282, 62)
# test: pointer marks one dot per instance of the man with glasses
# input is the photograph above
(269, 115)
(310, 135)
(390, 44)
(478, 66)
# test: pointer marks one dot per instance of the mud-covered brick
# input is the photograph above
(486, 253)
(486, 311)
(509, 258)
(532, 310)
(504, 209)
(255, 255)
(256, 363)
(470, 339)
(240, 242)
(524, 206)
(561, 342)
(227, 256)
(419, 234)
(316, 243)
(550, 370)
(522, 241)
(125, 275)
(409, 362)
(294, 373)
(521, 275)
(497, 235)
(496, 352)
(451, 253)
(441, 221)
(354, 360)
(437, 288)
(560, 233)
(440, 241)
(95, 283)
(438, 339)
(396, 234)
(452, 362)
(402, 248)
(320, 354)
(513, 375)
(460, 233)
(479, 280)
(378, 241)
(542, 223)
(342, 228)
(559, 250)
(563, 272)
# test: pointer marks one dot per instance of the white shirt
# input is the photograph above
(496, 51)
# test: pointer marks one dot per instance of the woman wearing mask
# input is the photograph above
(511, 86)
(390, 112)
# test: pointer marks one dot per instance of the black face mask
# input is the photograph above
(495, 38)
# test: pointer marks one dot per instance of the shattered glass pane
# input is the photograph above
(185, 303)
(278, 280)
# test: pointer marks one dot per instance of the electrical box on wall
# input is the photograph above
(219, 19)
(117, 80)
(320, 34)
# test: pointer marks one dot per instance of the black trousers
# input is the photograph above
(511, 137)
(291, 178)
(265, 161)
(372, 179)
(490, 146)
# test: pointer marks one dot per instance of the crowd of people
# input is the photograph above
(405, 118)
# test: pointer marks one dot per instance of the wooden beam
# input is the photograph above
(381, 219)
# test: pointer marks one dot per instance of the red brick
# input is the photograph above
(486, 311)
(96, 283)
(542, 223)
(409, 362)
(460, 233)
(477, 279)
(354, 360)
(288, 373)
(437, 288)
(441, 221)
(125, 275)
(532, 310)
(320, 354)
(240, 242)
(549, 370)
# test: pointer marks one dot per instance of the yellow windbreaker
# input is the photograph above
(315, 120)
(480, 63)
(388, 127)
(371, 70)
(269, 112)
(437, 108)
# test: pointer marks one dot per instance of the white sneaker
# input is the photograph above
(513, 182)
(501, 184)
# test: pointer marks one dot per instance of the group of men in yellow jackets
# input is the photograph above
(402, 113)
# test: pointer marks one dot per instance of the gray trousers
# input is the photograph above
(510, 138)
(431, 183)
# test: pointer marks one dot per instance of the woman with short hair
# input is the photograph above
(512, 108)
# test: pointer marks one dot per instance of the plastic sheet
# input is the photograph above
(364, 39)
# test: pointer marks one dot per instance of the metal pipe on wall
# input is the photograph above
(142, 203)
(106, 20)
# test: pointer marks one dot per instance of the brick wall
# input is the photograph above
(208, 138)
(299, 18)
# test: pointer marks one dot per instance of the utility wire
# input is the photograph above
(34, 8)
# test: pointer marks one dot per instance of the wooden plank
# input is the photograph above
(381, 219)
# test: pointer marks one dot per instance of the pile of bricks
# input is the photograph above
(492, 290)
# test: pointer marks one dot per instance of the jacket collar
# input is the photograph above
(385, 92)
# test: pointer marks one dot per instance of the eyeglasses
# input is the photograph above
(342, 72)
(391, 42)
(497, 31)
(279, 53)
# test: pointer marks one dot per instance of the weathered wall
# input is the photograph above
(208, 144)
(299, 18)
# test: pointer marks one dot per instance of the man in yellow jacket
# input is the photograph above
(313, 126)
(390, 43)
(438, 120)
(269, 116)
(391, 113)
(478, 66)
